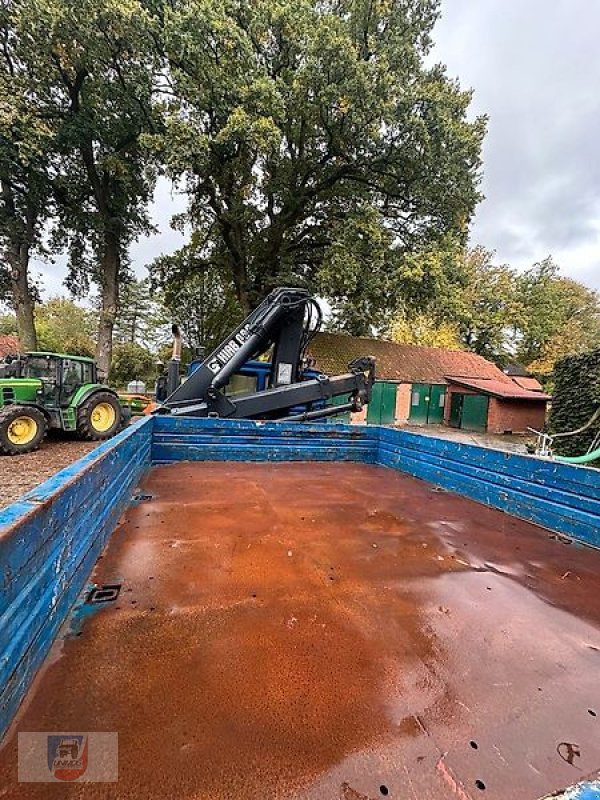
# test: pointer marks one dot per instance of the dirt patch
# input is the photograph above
(19, 474)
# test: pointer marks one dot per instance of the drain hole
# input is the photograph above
(474, 744)
(591, 712)
(480, 785)
(384, 790)
(438, 489)
(105, 593)
(141, 498)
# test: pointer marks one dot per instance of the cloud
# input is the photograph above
(535, 69)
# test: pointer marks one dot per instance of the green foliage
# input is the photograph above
(307, 131)
(561, 317)
(131, 362)
(8, 325)
(576, 397)
(88, 67)
(64, 327)
(198, 298)
(486, 305)
(424, 330)
(26, 148)
(141, 319)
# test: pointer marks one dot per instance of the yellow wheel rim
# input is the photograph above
(22, 430)
(103, 417)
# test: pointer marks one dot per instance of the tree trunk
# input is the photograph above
(110, 269)
(22, 301)
(240, 282)
(17, 256)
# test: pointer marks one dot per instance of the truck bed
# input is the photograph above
(325, 631)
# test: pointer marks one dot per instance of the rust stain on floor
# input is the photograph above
(328, 632)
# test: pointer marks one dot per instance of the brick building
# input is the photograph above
(428, 385)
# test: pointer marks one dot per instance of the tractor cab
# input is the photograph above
(61, 375)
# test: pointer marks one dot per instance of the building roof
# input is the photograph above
(527, 382)
(401, 362)
(9, 345)
(505, 390)
(516, 370)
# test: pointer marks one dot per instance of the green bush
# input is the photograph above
(576, 396)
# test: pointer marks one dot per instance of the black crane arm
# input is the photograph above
(282, 321)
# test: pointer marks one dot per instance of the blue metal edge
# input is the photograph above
(29, 502)
(582, 791)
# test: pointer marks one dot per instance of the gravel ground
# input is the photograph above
(19, 474)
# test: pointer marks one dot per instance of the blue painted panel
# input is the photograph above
(558, 496)
(49, 543)
(181, 439)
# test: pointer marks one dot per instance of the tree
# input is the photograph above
(562, 317)
(292, 121)
(486, 305)
(141, 318)
(64, 327)
(423, 329)
(26, 141)
(198, 298)
(131, 362)
(90, 65)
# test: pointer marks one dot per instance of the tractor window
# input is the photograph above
(40, 367)
(72, 375)
(86, 372)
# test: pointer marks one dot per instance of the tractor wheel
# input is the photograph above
(99, 417)
(22, 429)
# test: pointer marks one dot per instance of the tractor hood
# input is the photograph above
(19, 390)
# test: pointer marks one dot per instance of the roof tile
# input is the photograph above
(401, 362)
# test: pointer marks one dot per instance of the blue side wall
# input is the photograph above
(561, 497)
(49, 542)
(243, 440)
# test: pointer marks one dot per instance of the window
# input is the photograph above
(72, 373)
(240, 384)
(41, 367)
(87, 373)
(415, 398)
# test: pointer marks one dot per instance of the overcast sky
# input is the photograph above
(535, 69)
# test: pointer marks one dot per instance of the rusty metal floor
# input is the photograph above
(324, 632)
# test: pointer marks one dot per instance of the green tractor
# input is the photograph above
(39, 391)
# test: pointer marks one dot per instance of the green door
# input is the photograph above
(419, 403)
(474, 412)
(388, 404)
(339, 401)
(437, 398)
(382, 407)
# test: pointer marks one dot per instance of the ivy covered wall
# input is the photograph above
(576, 398)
